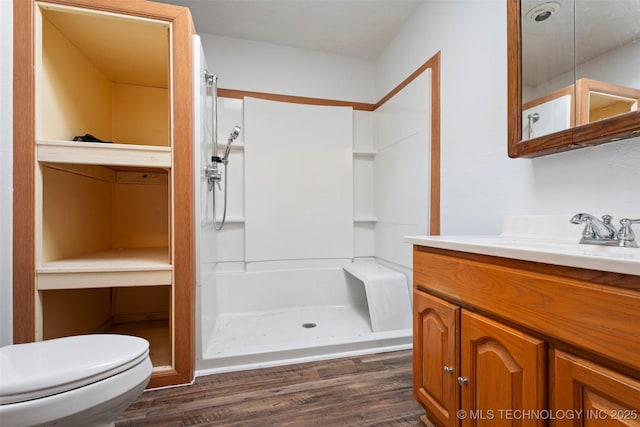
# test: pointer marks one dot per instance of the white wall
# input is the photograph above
(480, 184)
(265, 67)
(6, 169)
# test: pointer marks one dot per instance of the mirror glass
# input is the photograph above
(574, 73)
(607, 58)
(547, 66)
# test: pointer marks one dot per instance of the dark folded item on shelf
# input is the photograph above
(87, 137)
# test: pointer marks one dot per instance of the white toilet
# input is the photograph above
(86, 380)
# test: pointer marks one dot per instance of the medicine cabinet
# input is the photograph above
(574, 60)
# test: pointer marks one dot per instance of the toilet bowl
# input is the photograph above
(85, 380)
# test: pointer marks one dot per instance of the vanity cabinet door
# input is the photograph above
(435, 366)
(591, 394)
(502, 374)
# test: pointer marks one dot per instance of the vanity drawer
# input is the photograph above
(601, 319)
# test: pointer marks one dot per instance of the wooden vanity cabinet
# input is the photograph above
(469, 363)
(525, 340)
(103, 231)
(600, 395)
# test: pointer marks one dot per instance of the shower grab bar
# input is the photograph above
(211, 169)
(212, 83)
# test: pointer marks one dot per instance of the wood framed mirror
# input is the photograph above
(583, 57)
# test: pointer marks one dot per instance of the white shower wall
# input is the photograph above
(401, 171)
(231, 239)
(390, 154)
(299, 72)
(298, 181)
(205, 236)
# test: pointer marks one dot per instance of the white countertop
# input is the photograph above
(516, 242)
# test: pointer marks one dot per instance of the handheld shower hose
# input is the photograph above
(225, 161)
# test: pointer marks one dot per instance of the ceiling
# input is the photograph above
(364, 28)
(356, 28)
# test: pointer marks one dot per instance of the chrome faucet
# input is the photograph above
(602, 232)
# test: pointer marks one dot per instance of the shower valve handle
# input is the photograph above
(213, 175)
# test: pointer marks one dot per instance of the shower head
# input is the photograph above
(234, 134)
(232, 137)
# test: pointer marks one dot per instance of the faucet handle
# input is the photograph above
(626, 233)
(606, 220)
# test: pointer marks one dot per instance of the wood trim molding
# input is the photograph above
(23, 173)
(434, 194)
(139, 8)
(239, 94)
(421, 69)
(183, 319)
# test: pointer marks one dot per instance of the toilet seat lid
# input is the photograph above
(43, 368)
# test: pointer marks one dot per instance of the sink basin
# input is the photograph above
(558, 250)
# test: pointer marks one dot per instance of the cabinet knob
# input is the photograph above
(448, 369)
(463, 380)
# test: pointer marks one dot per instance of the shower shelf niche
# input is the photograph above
(363, 177)
(364, 154)
(365, 218)
(233, 219)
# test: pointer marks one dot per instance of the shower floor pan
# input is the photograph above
(270, 338)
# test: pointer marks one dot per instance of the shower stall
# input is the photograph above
(278, 265)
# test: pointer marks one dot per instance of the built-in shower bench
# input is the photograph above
(387, 295)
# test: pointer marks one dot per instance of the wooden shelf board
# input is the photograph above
(115, 267)
(103, 153)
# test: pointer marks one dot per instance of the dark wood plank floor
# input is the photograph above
(370, 390)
